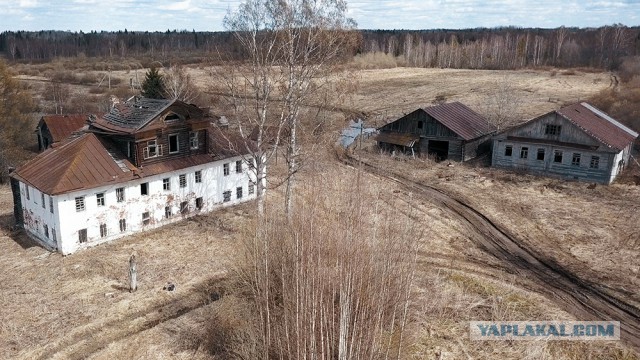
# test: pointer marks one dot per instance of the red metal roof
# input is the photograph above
(599, 125)
(62, 126)
(80, 163)
(461, 120)
(91, 160)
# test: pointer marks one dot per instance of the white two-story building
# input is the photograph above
(145, 164)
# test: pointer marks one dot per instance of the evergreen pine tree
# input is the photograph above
(152, 86)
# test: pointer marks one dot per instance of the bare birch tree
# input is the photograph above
(290, 45)
(502, 107)
(179, 85)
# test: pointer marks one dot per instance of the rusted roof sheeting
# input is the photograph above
(599, 125)
(407, 140)
(62, 126)
(461, 120)
(81, 163)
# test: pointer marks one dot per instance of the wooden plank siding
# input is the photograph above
(429, 129)
(162, 139)
(530, 139)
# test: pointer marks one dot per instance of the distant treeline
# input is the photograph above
(483, 48)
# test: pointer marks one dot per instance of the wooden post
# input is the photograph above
(133, 274)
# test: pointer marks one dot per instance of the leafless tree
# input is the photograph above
(502, 107)
(291, 46)
(179, 85)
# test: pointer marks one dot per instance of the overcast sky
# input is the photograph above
(206, 15)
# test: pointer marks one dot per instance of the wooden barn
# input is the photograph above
(448, 131)
(578, 142)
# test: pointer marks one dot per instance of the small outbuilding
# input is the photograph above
(52, 129)
(448, 131)
(577, 142)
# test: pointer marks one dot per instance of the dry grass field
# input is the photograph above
(77, 306)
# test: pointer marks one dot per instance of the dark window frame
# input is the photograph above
(557, 156)
(82, 236)
(144, 189)
(524, 152)
(541, 154)
(508, 150)
(176, 143)
(182, 180)
(100, 199)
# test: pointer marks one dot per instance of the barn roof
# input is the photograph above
(461, 120)
(598, 125)
(62, 126)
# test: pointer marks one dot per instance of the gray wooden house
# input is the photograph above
(578, 142)
(448, 131)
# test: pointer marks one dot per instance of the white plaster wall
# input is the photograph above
(211, 189)
(614, 166)
(36, 216)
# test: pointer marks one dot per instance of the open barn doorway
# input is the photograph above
(439, 149)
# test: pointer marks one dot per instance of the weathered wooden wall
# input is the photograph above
(571, 140)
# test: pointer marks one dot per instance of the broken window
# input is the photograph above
(251, 189)
(82, 236)
(167, 212)
(575, 160)
(550, 129)
(420, 124)
(540, 154)
(199, 203)
(225, 168)
(80, 203)
(226, 196)
(173, 144)
(152, 150)
(119, 194)
(239, 192)
(103, 230)
(183, 180)
(53, 234)
(46, 230)
(557, 156)
(239, 166)
(100, 199)
(44, 205)
(123, 225)
(198, 176)
(144, 189)
(26, 191)
(193, 140)
(146, 219)
(51, 204)
(172, 117)
(595, 162)
(184, 207)
(508, 150)
(166, 184)
(524, 153)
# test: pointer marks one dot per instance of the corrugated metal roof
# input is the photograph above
(91, 160)
(62, 126)
(599, 125)
(407, 140)
(461, 120)
(80, 163)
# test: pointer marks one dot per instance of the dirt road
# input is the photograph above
(580, 297)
